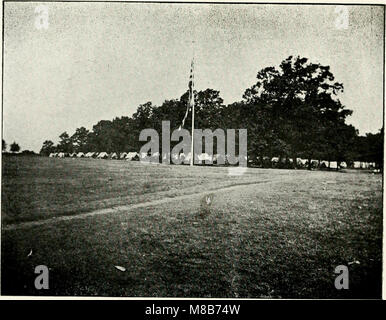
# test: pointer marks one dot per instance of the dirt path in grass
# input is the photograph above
(28, 224)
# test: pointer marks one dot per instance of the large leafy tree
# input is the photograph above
(301, 98)
(208, 109)
(123, 134)
(369, 148)
(292, 110)
(65, 143)
(47, 148)
(14, 147)
(143, 117)
(80, 139)
(102, 137)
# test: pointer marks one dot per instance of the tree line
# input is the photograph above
(14, 147)
(290, 111)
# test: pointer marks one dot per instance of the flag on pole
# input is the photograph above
(191, 94)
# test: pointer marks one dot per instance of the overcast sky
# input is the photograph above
(101, 60)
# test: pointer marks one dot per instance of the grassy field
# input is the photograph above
(267, 233)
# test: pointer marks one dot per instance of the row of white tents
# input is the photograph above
(314, 163)
(324, 163)
(364, 165)
(205, 157)
(97, 155)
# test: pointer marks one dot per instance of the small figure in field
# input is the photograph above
(205, 205)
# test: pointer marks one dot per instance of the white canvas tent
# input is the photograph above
(103, 155)
(184, 158)
(142, 155)
(324, 164)
(314, 163)
(114, 156)
(165, 156)
(301, 161)
(333, 165)
(175, 156)
(61, 155)
(229, 159)
(205, 157)
(89, 154)
(80, 155)
(284, 160)
(181, 156)
(132, 156)
(53, 155)
(123, 155)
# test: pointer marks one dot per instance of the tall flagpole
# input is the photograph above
(192, 146)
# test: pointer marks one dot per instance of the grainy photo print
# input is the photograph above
(192, 150)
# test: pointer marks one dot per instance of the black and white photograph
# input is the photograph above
(192, 150)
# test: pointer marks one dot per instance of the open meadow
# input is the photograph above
(181, 231)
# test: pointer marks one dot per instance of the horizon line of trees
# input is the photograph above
(291, 111)
(13, 147)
